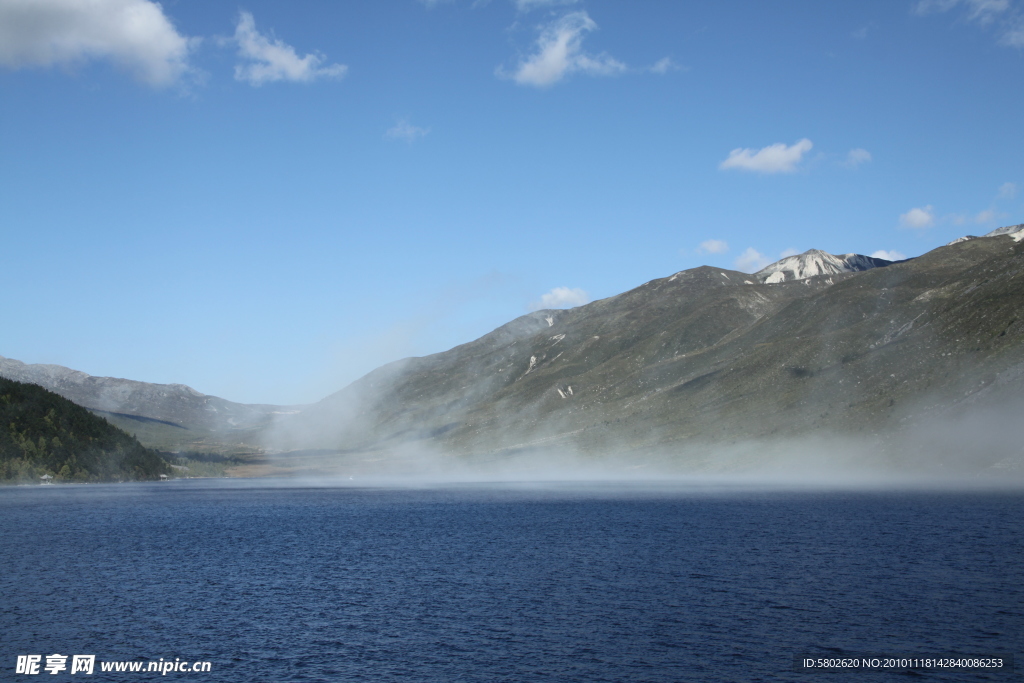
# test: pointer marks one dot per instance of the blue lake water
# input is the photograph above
(277, 584)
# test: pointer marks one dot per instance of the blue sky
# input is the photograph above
(266, 200)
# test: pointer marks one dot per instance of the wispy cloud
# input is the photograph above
(751, 260)
(713, 247)
(403, 130)
(777, 158)
(889, 255)
(561, 297)
(664, 66)
(559, 53)
(918, 218)
(856, 157)
(268, 60)
(133, 34)
(1005, 192)
(1014, 34)
(982, 11)
(1004, 15)
(980, 218)
(788, 252)
(528, 5)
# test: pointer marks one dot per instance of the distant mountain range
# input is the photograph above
(854, 358)
(166, 416)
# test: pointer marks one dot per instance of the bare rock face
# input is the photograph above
(815, 262)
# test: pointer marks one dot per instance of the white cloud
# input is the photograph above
(713, 247)
(664, 65)
(561, 297)
(858, 156)
(560, 53)
(982, 217)
(751, 260)
(273, 60)
(982, 11)
(777, 158)
(1000, 13)
(889, 255)
(1006, 191)
(134, 34)
(788, 252)
(1014, 35)
(860, 34)
(527, 5)
(918, 218)
(986, 216)
(987, 10)
(403, 130)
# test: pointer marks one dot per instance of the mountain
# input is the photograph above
(45, 434)
(816, 262)
(170, 416)
(815, 361)
(915, 365)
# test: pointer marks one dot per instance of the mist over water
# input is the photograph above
(975, 441)
(973, 453)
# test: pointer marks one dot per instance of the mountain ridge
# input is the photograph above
(704, 356)
(1014, 231)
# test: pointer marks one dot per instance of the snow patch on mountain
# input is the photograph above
(1012, 230)
(1016, 232)
(816, 262)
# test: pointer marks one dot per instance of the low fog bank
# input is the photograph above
(942, 459)
(976, 443)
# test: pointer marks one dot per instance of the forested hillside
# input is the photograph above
(43, 433)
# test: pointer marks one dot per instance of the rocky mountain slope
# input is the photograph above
(900, 356)
(816, 262)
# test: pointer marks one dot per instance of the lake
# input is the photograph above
(504, 583)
